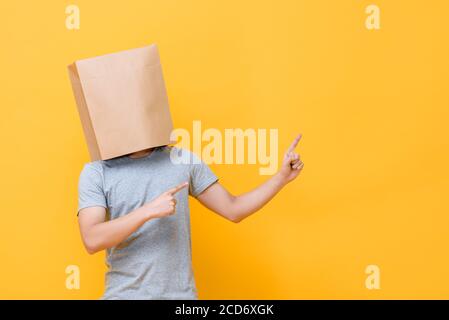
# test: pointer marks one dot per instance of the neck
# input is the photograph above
(140, 154)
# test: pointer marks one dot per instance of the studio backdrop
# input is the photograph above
(365, 82)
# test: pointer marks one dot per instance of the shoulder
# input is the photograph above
(93, 166)
(92, 171)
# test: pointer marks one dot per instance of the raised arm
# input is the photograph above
(237, 208)
(98, 234)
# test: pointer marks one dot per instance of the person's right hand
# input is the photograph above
(165, 204)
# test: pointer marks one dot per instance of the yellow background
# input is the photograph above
(373, 107)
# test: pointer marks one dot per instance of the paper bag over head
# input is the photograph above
(122, 102)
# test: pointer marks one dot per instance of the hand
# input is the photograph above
(165, 204)
(292, 164)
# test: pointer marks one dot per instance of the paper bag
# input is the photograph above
(122, 102)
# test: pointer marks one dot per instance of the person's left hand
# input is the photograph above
(292, 164)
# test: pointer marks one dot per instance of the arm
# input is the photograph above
(237, 208)
(98, 234)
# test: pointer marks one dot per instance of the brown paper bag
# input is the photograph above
(122, 102)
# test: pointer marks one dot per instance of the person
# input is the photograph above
(136, 208)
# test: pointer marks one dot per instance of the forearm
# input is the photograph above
(99, 234)
(109, 234)
(246, 204)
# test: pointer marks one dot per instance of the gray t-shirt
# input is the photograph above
(155, 262)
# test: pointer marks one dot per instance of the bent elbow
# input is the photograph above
(235, 219)
(234, 213)
(91, 250)
(91, 247)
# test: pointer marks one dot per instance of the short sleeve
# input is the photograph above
(201, 177)
(90, 188)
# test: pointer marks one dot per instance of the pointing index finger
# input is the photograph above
(294, 144)
(178, 188)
